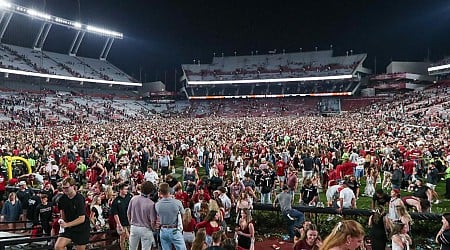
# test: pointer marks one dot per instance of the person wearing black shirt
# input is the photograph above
(308, 194)
(74, 220)
(119, 209)
(44, 215)
(23, 195)
(380, 199)
(33, 202)
(421, 197)
(173, 182)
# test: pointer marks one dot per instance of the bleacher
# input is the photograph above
(27, 59)
(289, 65)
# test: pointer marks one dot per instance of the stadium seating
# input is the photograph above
(304, 64)
(27, 59)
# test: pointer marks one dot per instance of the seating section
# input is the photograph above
(289, 65)
(27, 59)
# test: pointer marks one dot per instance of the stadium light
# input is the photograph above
(68, 78)
(77, 25)
(4, 4)
(301, 79)
(440, 67)
(103, 31)
(21, 10)
(36, 13)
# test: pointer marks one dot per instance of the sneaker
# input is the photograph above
(437, 202)
(290, 217)
(330, 217)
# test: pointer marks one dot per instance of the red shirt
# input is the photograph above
(347, 168)
(281, 167)
(2, 183)
(190, 227)
(183, 197)
(209, 229)
(408, 167)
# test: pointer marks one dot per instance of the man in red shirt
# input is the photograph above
(408, 169)
(280, 166)
(347, 167)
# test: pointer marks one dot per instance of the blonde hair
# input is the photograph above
(187, 217)
(213, 205)
(340, 232)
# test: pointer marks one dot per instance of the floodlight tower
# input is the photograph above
(8, 9)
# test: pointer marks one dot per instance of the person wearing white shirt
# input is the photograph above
(151, 176)
(347, 198)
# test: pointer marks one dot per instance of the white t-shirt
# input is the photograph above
(347, 195)
(331, 191)
(151, 177)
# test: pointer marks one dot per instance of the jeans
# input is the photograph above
(144, 234)
(299, 218)
(265, 198)
(171, 236)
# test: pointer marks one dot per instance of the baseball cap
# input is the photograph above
(21, 183)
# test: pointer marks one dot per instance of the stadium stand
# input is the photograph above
(315, 63)
(27, 59)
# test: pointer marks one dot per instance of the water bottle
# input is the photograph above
(61, 229)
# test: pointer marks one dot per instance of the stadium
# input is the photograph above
(281, 119)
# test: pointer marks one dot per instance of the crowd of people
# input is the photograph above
(104, 176)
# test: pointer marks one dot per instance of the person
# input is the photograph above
(24, 194)
(308, 194)
(347, 234)
(285, 200)
(347, 198)
(199, 241)
(119, 209)
(11, 210)
(311, 241)
(211, 224)
(243, 202)
(44, 215)
(73, 220)
(370, 179)
(380, 198)
(378, 224)
(226, 204)
(151, 176)
(168, 208)
(98, 223)
(217, 238)
(246, 230)
(443, 236)
(393, 203)
(400, 239)
(142, 217)
(189, 224)
(421, 198)
(404, 217)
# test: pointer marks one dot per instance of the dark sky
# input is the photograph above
(162, 34)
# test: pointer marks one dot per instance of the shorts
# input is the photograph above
(307, 174)
(165, 171)
(359, 172)
(77, 237)
(281, 178)
(188, 237)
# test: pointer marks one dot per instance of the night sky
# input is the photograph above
(159, 36)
